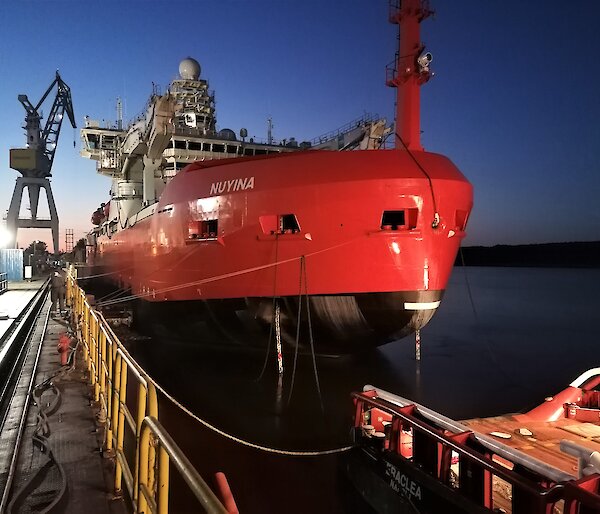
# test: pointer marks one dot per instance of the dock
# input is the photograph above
(69, 440)
(50, 452)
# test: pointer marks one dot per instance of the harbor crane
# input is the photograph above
(35, 162)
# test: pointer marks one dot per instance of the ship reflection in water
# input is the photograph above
(503, 357)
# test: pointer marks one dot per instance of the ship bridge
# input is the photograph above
(103, 146)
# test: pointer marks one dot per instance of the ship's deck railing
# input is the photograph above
(3, 282)
(134, 434)
(358, 122)
(460, 464)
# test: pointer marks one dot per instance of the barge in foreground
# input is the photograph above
(237, 238)
(410, 459)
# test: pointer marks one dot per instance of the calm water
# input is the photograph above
(525, 335)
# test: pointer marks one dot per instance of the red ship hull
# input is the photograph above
(219, 237)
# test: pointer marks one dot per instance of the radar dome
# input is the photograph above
(189, 69)
(227, 134)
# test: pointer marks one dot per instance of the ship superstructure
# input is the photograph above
(178, 128)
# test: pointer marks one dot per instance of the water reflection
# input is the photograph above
(226, 388)
(517, 343)
(528, 333)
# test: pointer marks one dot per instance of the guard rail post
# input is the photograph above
(69, 287)
(141, 414)
(146, 467)
(152, 499)
(114, 424)
(110, 387)
(88, 339)
(163, 481)
(152, 410)
(81, 324)
(144, 496)
(94, 337)
(120, 397)
(103, 371)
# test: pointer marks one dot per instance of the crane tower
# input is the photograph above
(35, 162)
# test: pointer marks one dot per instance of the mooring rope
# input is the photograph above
(293, 453)
(303, 275)
(298, 318)
(113, 294)
(105, 274)
(436, 216)
(311, 336)
(216, 278)
(210, 426)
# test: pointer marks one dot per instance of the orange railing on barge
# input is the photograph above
(464, 468)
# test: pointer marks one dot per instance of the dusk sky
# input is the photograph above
(515, 100)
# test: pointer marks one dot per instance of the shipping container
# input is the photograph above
(11, 263)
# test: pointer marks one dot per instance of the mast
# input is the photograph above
(409, 71)
(270, 130)
(119, 113)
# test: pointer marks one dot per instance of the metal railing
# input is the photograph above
(428, 448)
(3, 282)
(133, 432)
(358, 122)
(14, 350)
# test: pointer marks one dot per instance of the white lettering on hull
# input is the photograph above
(232, 186)
(402, 483)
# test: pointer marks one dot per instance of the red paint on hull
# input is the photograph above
(338, 199)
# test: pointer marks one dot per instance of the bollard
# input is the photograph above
(225, 493)
(64, 348)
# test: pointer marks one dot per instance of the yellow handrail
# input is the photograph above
(110, 367)
(169, 452)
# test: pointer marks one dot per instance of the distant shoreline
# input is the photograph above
(547, 255)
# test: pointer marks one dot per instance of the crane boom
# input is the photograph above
(44, 141)
(62, 102)
(35, 161)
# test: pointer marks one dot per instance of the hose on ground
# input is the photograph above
(40, 439)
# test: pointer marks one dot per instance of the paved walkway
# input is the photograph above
(14, 300)
(73, 435)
